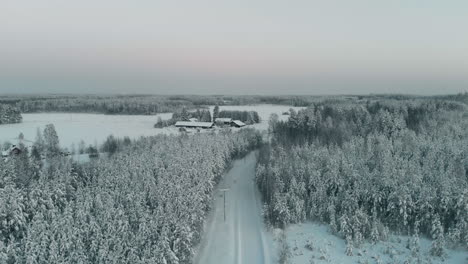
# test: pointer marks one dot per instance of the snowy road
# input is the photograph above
(242, 238)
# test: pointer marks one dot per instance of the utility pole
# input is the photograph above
(224, 198)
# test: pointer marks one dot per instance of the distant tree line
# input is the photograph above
(139, 104)
(151, 104)
(112, 144)
(370, 167)
(201, 115)
(132, 105)
(9, 114)
(460, 97)
(248, 117)
(160, 123)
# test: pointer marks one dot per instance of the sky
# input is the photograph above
(234, 47)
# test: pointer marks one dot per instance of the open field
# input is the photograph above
(94, 128)
(72, 128)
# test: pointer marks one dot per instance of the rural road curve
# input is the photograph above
(242, 238)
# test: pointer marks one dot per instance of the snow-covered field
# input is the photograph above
(94, 128)
(328, 248)
(263, 110)
(71, 128)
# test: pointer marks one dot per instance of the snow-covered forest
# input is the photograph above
(145, 204)
(129, 105)
(370, 167)
(233, 132)
(9, 114)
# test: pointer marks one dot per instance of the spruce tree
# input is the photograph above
(215, 113)
(51, 141)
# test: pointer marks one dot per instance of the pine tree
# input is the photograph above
(215, 112)
(414, 246)
(183, 244)
(51, 141)
(9, 114)
(349, 246)
(184, 115)
(332, 217)
(13, 223)
(81, 147)
(206, 116)
(159, 123)
(375, 234)
(272, 123)
(39, 142)
(438, 243)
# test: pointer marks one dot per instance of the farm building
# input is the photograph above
(13, 150)
(237, 123)
(225, 121)
(188, 124)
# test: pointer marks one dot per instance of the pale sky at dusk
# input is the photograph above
(234, 47)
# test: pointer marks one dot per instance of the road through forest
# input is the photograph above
(242, 238)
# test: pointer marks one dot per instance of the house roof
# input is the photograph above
(14, 147)
(193, 124)
(223, 119)
(238, 122)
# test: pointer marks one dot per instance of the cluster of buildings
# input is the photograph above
(193, 123)
(15, 150)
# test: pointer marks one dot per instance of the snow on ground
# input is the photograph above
(73, 127)
(328, 248)
(94, 128)
(263, 110)
(242, 238)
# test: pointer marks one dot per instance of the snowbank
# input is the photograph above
(327, 248)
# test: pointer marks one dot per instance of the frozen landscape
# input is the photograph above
(315, 164)
(91, 128)
(233, 132)
(95, 128)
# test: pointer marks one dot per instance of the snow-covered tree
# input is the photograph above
(382, 166)
(51, 141)
(9, 114)
(438, 244)
(145, 204)
(215, 112)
